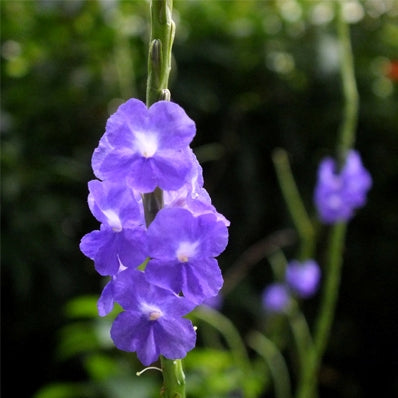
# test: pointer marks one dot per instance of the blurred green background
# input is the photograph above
(254, 75)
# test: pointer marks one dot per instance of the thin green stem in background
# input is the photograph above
(294, 203)
(275, 361)
(332, 274)
(349, 87)
(301, 336)
(331, 288)
(297, 322)
(309, 377)
(159, 66)
(278, 263)
(234, 341)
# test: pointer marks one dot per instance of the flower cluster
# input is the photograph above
(339, 194)
(160, 272)
(301, 280)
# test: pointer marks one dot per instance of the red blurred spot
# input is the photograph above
(392, 70)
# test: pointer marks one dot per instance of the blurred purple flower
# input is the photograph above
(152, 322)
(148, 147)
(276, 298)
(182, 250)
(338, 194)
(303, 278)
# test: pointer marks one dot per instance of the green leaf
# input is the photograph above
(65, 390)
(101, 367)
(213, 374)
(82, 307)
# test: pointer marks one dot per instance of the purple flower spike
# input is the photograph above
(121, 239)
(143, 149)
(149, 147)
(276, 298)
(152, 322)
(337, 195)
(182, 250)
(303, 278)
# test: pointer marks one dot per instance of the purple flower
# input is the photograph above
(152, 322)
(337, 195)
(149, 147)
(276, 298)
(106, 301)
(357, 180)
(303, 278)
(121, 240)
(192, 195)
(143, 149)
(182, 250)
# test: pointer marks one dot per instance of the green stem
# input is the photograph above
(275, 361)
(278, 265)
(159, 56)
(159, 66)
(173, 378)
(331, 288)
(294, 203)
(234, 341)
(301, 335)
(153, 202)
(307, 384)
(297, 322)
(349, 86)
(308, 381)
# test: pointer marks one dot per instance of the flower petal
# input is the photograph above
(173, 126)
(105, 302)
(175, 337)
(202, 280)
(127, 331)
(147, 349)
(165, 274)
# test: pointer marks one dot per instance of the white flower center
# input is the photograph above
(154, 315)
(152, 312)
(113, 220)
(147, 144)
(121, 266)
(186, 250)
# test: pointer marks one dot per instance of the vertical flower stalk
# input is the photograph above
(349, 86)
(159, 55)
(160, 234)
(332, 275)
(159, 67)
